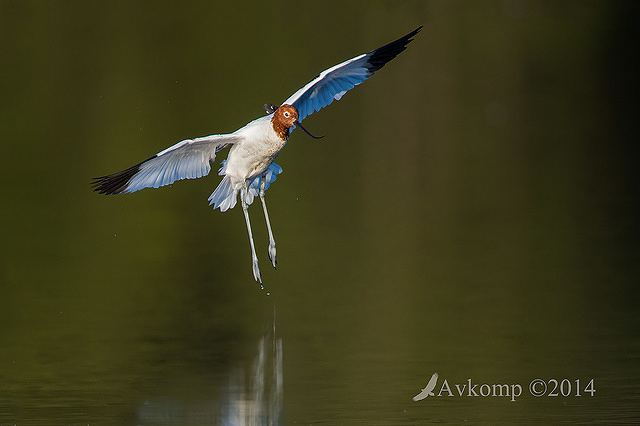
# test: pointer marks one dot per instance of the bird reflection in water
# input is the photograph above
(261, 402)
(253, 400)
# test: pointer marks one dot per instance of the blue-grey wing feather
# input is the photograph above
(332, 83)
(189, 159)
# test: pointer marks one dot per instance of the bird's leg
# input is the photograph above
(245, 210)
(272, 241)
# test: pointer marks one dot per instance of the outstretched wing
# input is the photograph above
(428, 390)
(432, 382)
(189, 159)
(334, 82)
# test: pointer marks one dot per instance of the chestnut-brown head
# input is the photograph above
(284, 118)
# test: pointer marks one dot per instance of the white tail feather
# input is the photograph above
(225, 195)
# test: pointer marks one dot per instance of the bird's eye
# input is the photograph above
(286, 114)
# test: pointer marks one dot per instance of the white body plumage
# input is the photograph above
(249, 167)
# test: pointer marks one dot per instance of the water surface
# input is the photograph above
(472, 211)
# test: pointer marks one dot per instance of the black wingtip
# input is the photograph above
(384, 54)
(116, 183)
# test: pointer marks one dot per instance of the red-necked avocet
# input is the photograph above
(249, 167)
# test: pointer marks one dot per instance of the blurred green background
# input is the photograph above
(472, 211)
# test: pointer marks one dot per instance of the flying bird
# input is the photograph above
(428, 390)
(249, 167)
